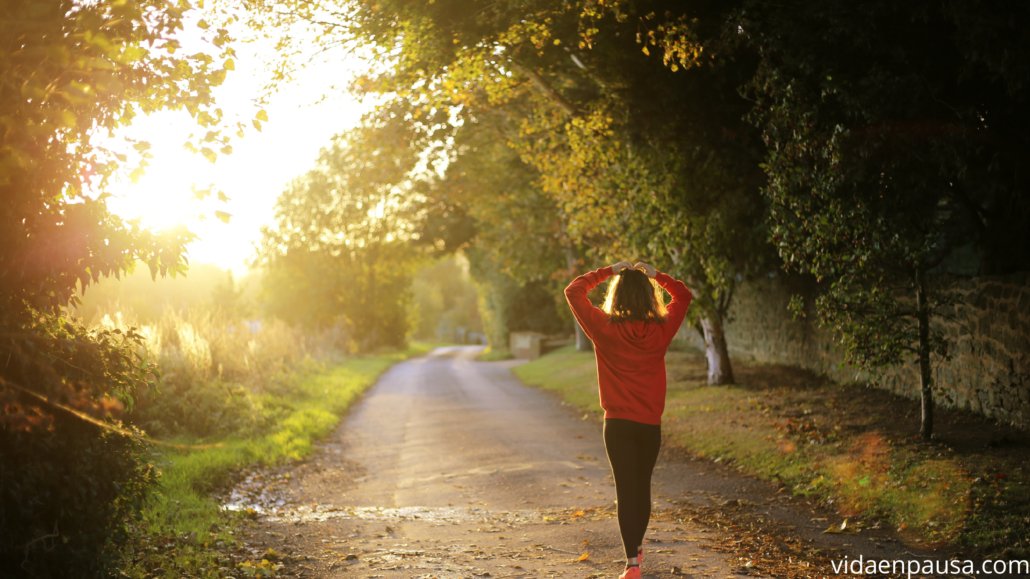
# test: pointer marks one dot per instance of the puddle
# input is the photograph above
(439, 515)
(260, 492)
(270, 504)
(264, 494)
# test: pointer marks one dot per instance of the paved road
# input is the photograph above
(452, 468)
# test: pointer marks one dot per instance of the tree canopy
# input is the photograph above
(575, 90)
(71, 73)
(342, 251)
(892, 149)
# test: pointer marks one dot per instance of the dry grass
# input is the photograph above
(207, 345)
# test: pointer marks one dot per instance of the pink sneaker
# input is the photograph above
(631, 573)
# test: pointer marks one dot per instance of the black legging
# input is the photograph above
(632, 450)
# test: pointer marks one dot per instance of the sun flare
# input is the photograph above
(242, 186)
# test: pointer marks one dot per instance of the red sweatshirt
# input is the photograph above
(630, 355)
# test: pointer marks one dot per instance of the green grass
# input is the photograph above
(567, 372)
(852, 448)
(184, 531)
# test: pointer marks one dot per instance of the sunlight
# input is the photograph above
(243, 185)
(164, 195)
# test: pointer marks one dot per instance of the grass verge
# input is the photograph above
(183, 531)
(855, 449)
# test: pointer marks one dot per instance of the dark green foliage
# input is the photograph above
(533, 309)
(178, 406)
(516, 239)
(67, 486)
(896, 138)
(73, 71)
(66, 498)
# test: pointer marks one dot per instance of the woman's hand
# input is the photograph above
(621, 265)
(646, 268)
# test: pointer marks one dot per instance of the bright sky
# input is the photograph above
(300, 123)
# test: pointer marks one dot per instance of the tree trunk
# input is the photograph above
(583, 343)
(719, 369)
(925, 377)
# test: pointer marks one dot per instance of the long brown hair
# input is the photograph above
(632, 296)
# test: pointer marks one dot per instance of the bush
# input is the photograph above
(213, 372)
(201, 409)
(66, 497)
(68, 480)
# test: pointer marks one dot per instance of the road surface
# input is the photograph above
(450, 467)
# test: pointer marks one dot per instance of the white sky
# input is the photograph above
(300, 123)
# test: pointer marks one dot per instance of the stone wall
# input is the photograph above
(987, 328)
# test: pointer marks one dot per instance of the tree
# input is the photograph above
(660, 163)
(342, 251)
(71, 73)
(602, 123)
(894, 133)
(515, 239)
(446, 301)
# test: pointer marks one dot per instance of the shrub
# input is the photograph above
(178, 406)
(66, 496)
(214, 371)
(68, 480)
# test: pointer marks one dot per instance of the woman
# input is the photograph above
(630, 336)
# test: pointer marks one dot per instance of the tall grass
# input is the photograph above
(233, 394)
(183, 530)
(209, 345)
(216, 375)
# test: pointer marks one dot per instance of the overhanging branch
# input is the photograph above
(546, 89)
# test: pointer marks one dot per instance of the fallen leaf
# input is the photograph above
(833, 529)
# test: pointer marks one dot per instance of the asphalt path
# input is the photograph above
(449, 467)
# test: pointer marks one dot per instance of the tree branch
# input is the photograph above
(546, 89)
(100, 423)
